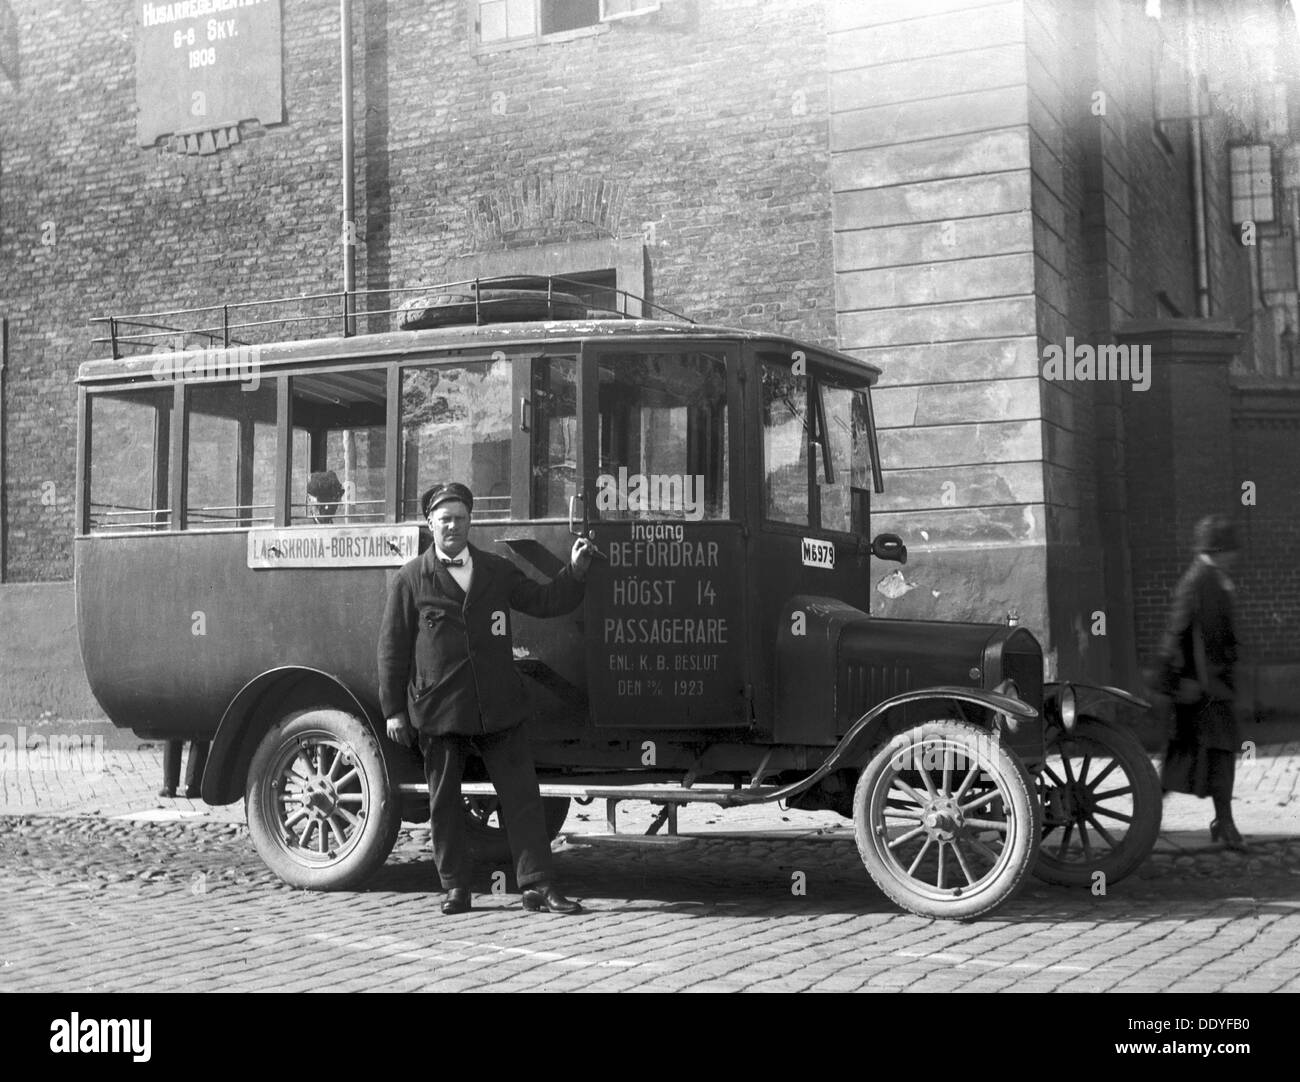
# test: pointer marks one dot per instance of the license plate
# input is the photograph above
(818, 553)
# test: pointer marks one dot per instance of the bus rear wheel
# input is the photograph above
(320, 809)
(1101, 804)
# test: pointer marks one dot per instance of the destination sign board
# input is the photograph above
(333, 546)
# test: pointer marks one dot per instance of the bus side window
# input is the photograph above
(847, 435)
(786, 426)
(458, 425)
(230, 456)
(554, 434)
(338, 425)
(128, 452)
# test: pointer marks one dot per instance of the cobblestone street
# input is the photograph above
(105, 887)
(113, 905)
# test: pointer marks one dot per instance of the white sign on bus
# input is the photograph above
(333, 546)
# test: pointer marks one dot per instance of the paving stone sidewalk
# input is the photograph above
(73, 770)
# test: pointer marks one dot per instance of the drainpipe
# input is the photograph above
(1200, 241)
(349, 193)
(4, 507)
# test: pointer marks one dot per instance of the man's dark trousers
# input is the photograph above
(509, 762)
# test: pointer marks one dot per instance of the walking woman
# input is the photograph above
(1199, 656)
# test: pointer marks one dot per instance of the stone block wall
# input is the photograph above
(935, 267)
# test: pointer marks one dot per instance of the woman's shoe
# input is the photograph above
(1228, 834)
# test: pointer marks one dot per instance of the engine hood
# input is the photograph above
(846, 662)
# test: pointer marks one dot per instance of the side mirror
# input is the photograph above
(889, 546)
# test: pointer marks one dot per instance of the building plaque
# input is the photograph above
(203, 65)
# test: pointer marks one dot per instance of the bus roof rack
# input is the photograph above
(474, 301)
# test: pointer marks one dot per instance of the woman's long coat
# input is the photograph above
(1203, 599)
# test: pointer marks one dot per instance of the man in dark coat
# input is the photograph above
(1199, 654)
(447, 676)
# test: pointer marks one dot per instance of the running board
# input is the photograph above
(667, 796)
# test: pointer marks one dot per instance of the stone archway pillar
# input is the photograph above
(1178, 454)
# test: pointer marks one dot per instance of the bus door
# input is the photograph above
(811, 449)
(667, 613)
(507, 424)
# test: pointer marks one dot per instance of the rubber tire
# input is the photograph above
(490, 843)
(494, 306)
(367, 850)
(991, 891)
(1148, 801)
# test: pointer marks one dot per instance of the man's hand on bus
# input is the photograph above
(400, 731)
(580, 558)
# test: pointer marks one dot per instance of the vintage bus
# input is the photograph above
(724, 652)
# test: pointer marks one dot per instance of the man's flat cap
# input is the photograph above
(445, 493)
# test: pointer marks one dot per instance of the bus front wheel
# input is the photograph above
(320, 809)
(947, 820)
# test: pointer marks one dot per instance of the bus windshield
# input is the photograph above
(663, 436)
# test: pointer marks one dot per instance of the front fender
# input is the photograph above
(863, 732)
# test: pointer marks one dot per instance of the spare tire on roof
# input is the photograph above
(451, 308)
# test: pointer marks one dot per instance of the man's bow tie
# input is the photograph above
(452, 563)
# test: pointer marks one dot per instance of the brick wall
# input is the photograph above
(135, 229)
(710, 118)
(1155, 547)
(1266, 434)
(1180, 456)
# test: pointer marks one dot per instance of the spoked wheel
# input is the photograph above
(1101, 805)
(487, 834)
(946, 820)
(319, 807)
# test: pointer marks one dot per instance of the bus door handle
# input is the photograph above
(525, 415)
(583, 530)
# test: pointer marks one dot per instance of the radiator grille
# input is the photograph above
(1026, 670)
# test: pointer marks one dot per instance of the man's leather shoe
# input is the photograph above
(457, 901)
(543, 898)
